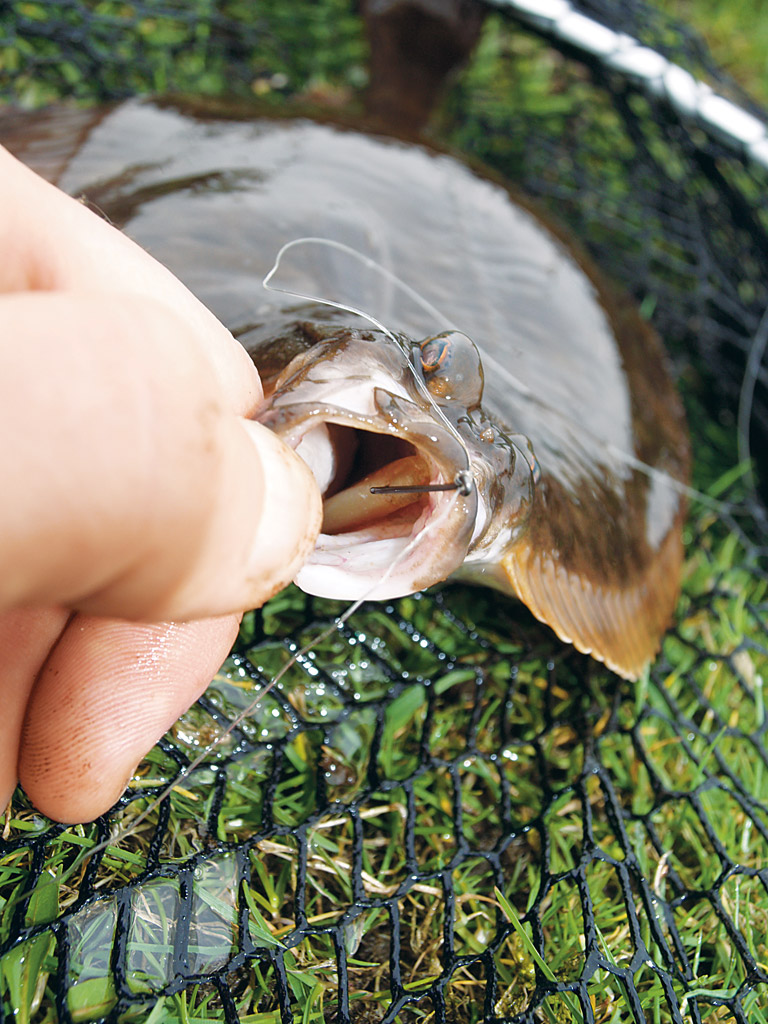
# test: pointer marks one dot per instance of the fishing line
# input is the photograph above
(429, 527)
(368, 262)
(371, 264)
(747, 394)
(756, 355)
(345, 307)
(462, 485)
(721, 507)
(692, 493)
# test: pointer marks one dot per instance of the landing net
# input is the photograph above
(443, 813)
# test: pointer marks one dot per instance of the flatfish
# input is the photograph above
(507, 420)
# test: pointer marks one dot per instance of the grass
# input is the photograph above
(736, 33)
(490, 776)
(145, 47)
(460, 812)
(492, 769)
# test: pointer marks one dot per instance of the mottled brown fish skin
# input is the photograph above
(608, 589)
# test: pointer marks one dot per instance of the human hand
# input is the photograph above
(141, 510)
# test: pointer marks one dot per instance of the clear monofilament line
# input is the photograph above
(756, 355)
(344, 306)
(366, 261)
(428, 528)
(721, 507)
(393, 279)
(462, 484)
(747, 394)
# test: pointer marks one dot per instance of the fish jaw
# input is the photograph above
(351, 407)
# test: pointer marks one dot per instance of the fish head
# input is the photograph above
(415, 477)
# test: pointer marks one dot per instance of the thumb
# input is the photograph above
(133, 489)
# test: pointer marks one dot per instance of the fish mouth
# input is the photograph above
(380, 545)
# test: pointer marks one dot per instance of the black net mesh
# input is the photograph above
(442, 812)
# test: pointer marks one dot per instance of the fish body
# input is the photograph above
(537, 380)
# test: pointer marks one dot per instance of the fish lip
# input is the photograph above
(360, 564)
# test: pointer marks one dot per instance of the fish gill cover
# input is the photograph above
(442, 812)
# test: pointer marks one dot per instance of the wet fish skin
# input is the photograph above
(312, 388)
(596, 552)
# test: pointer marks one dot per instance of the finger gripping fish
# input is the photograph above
(559, 409)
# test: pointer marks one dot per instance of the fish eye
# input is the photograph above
(435, 352)
(452, 369)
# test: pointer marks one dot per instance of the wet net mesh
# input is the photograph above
(441, 812)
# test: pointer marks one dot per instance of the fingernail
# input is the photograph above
(267, 517)
(288, 521)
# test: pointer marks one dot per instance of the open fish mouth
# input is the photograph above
(374, 543)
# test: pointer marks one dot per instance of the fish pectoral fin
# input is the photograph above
(621, 626)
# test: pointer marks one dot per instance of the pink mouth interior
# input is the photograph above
(362, 459)
(370, 551)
